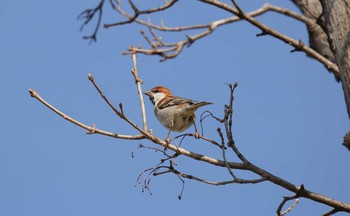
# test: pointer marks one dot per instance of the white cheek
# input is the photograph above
(158, 96)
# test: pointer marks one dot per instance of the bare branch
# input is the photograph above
(331, 212)
(246, 165)
(176, 48)
(172, 50)
(154, 139)
(168, 157)
(182, 188)
(88, 15)
(159, 169)
(298, 194)
(138, 82)
(224, 153)
(290, 207)
(269, 31)
(346, 141)
(216, 183)
(138, 12)
(212, 142)
(119, 113)
(91, 130)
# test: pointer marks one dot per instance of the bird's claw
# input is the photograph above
(196, 135)
(167, 141)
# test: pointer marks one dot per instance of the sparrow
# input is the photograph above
(173, 112)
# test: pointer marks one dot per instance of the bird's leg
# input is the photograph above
(196, 134)
(167, 139)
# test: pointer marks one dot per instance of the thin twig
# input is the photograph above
(138, 12)
(290, 207)
(295, 43)
(91, 130)
(88, 15)
(116, 111)
(171, 50)
(216, 183)
(298, 194)
(331, 212)
(141, 146)
(139, 82)
(182, 188)
(245, 165)
(224, 154)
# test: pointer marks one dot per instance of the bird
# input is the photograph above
(173, 112)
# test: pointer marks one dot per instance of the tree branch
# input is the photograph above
(138, 12)
(245, 164)
(289, 208)
(91, 130)
(138, 82)
(267, 30)
(172, 50)
(88, 15)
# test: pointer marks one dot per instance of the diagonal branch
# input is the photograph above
(138, 82)
(116, 111)
(88, 15)
(289, 208)
(91, 130)
(138, 12)
(245, 164)
(144, 135)
(300, 191)
(172, 50)
(269, 31)
(286, 199)
(216, 183)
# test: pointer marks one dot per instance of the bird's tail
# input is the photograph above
(200, 104)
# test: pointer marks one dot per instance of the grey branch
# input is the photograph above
(318, 50)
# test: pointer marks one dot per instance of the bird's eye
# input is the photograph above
(155, 90)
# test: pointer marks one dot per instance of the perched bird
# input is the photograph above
(174, 113)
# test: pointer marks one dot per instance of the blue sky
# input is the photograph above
(289, 115)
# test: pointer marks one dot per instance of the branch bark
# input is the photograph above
(318, 40)
(335, 21)
(317, 50)
(245, 164)
(329, 30)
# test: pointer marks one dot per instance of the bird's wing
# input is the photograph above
(174, 101)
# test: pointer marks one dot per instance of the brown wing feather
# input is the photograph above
(173, 101)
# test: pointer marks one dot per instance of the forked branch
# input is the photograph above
(90, 130)
(169, 50)
(226, 145)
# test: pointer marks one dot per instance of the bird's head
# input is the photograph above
(157, 93)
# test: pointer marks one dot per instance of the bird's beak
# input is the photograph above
(148, 93)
